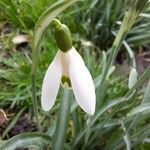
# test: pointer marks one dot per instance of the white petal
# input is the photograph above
(51, 84)
(82, 83)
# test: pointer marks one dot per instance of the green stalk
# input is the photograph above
(34, 100)
(76, 121)
(62, 121)
(128, 21)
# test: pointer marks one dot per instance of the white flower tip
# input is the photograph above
(46, 102)
(45, 107)
(88, 105)
(91, 111)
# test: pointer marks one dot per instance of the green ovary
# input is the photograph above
(66, 83)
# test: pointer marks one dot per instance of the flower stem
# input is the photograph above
(62, 121)
(34, 100)
(128, 21)
(76, 121)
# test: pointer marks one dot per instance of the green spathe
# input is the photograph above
(63, 37)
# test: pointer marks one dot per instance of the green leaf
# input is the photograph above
(97, 116)
(139, 39)
(110, 104)
(146, 15)
(140, 109)
(114, 139)
(62, 121)
(131, 53)
(126, 136)
(26, 140)
(135, 138)
(146, 99)
(147, 95)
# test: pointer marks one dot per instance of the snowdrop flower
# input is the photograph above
(68, 69)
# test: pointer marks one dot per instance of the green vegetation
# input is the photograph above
(121, 120)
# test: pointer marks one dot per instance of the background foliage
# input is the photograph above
(94, 24)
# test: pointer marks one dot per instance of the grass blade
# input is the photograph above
(13, 122)
(26, 140)
(140, 109)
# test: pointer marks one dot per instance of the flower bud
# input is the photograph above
(132, 78)
(63, 37)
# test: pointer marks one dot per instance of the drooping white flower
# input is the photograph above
(69, 69)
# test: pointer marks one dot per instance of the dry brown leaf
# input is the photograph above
(22, 38)
(3, 117)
